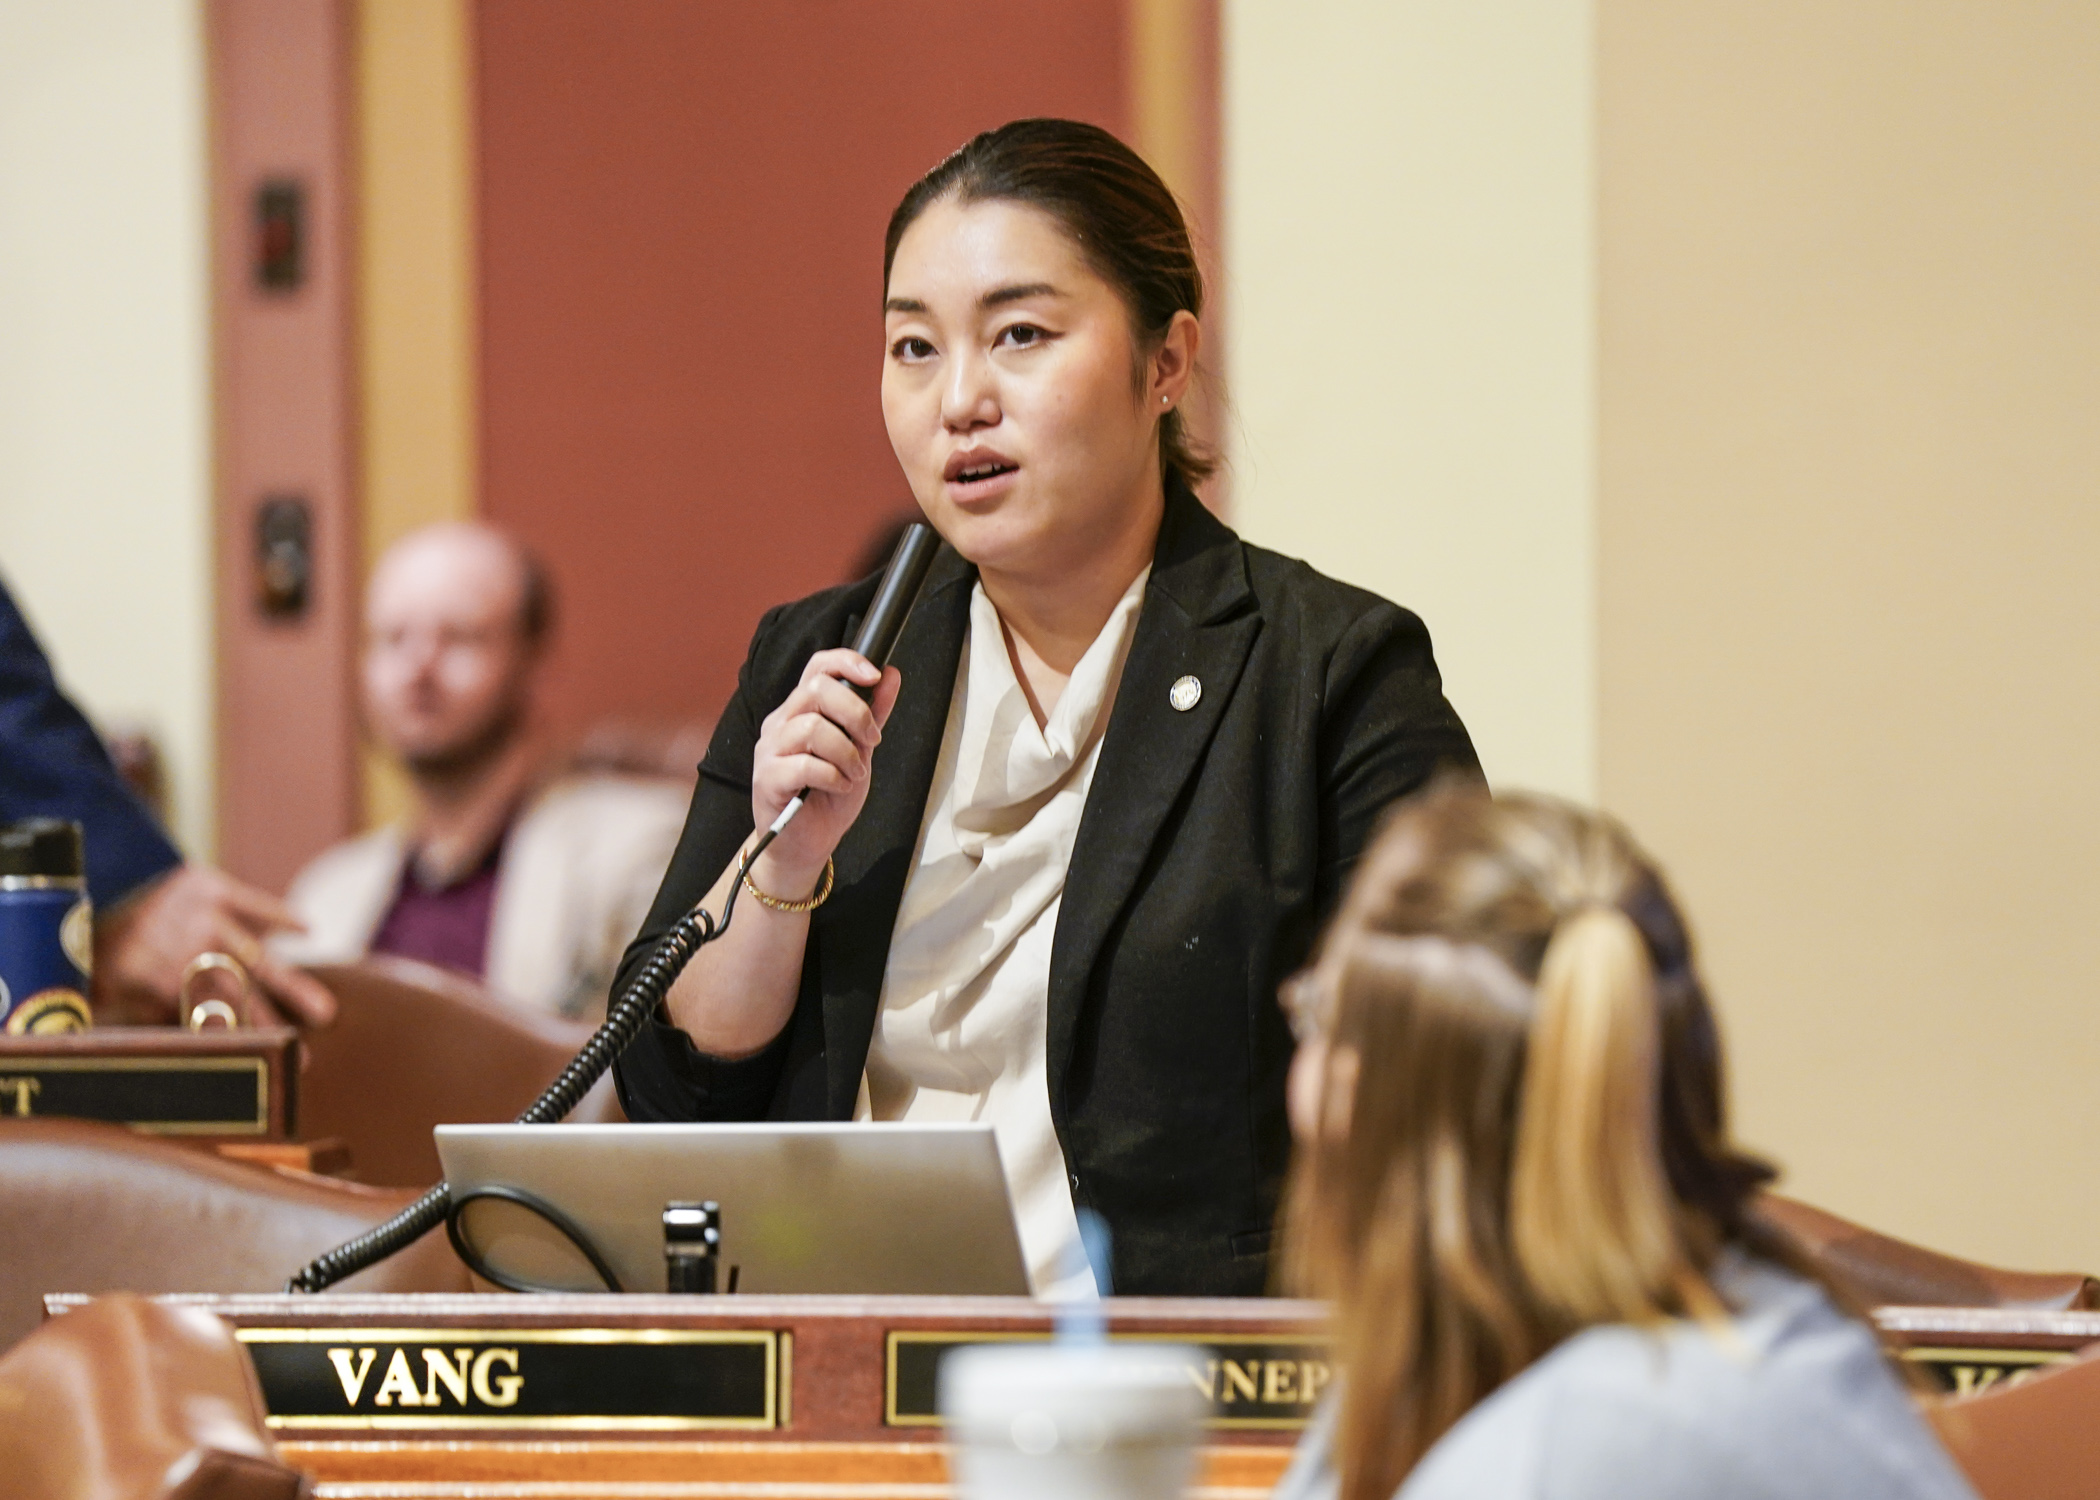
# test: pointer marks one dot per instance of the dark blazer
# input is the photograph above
(53, 765)
(1213, 843)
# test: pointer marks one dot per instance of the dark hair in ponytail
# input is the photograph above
(1117, 211)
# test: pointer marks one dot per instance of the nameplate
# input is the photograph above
(169, 1095)
(1965, 1372)
(588, 1379)
(1252, 1381)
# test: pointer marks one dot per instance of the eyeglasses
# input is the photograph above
(1303, 998)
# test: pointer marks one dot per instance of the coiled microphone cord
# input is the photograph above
(623, 1023)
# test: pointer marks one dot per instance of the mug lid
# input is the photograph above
(42, 846)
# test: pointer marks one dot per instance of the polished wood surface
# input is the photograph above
(1968, 1351)
(1989, 1327)
(115, 1052)
(839, 1343)
(834, 1444)
(327, 1157)
(686, 1470)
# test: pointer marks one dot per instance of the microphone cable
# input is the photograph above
(623, 1023)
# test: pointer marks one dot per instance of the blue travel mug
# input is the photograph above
(47, 928)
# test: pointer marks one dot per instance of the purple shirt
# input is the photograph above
(443, 925)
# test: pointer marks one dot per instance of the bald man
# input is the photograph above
(533, 885)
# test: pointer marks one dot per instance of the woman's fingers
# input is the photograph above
(824, 693)
(814, 734)
(841, 662)
(810, 773)
(886, 697)
(848, 710)
(822, 737)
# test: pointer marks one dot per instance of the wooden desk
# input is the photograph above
(1971, 1349)
(206, 1086)
(327, 1157)
(684, 1470)
(233, 1092)
(420, 1397)
(797, 1398)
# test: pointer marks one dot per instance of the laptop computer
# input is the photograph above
(862, 1208)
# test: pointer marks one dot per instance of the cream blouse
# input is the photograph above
(961, 1034)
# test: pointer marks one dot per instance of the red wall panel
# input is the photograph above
(285, 416)
(681, 217)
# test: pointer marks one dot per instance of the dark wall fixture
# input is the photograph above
(280, 234)
(284, 556)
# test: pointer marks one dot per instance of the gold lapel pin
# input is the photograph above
(1185, 694)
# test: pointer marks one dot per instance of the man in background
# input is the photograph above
(530, 882)
(154, 911)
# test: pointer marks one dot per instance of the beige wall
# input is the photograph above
(1850, 522)
(1743, 454)
(418, 444)
(104, 416)
(415, 265)
(1410, 298)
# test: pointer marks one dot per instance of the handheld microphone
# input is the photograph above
(894, 596)
(877, 636)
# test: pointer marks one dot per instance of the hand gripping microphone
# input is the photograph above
(874, 637)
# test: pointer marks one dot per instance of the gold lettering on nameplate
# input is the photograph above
(1269, 1382)
(352, 1376)
(1970, 1379)
(505, 1392)
(602, 1379)
(439, 1366)
(458, 1372)
(1317, 1373)
(1970, 1371)
(398, 1382)
(24, 1090)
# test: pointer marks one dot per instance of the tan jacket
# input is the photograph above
(579, 870)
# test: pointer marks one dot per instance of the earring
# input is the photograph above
(1166, 401)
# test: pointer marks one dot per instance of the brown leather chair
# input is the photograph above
(413, 1047)
(1880, 1271)
(2038, 1440)
(87, 1207)
(132, 1400)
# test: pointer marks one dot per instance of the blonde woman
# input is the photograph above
(1514, 1185)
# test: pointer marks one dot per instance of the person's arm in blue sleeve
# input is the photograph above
(53, 764)
(153, 911)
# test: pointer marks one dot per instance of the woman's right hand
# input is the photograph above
(821, 738)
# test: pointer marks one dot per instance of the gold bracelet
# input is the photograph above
(774, 903)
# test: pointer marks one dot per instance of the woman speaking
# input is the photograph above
(1114, 779)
